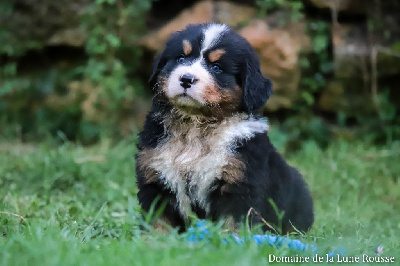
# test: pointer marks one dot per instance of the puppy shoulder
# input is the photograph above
(264, 162)
(260, 156)
(258, 146)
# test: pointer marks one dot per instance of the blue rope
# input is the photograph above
(200, 232)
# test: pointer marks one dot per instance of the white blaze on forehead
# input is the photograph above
(212, 34)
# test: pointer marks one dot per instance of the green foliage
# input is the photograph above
(384, 124)
(20, 91)
(295, 8)
(112, 64)
(9, 44)
(8, 80)
(74, 205)
(298, 129)
(113, 27)
(315, 67)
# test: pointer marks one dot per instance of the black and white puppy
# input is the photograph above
(204, 148)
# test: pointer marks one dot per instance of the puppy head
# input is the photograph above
(208, 69)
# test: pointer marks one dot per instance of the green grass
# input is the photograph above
(72, 205)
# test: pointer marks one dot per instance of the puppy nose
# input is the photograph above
(187, 80)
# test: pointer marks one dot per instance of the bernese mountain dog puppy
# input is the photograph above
(204, 149)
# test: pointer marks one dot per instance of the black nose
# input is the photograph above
(187, 80)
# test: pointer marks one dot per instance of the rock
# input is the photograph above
(351, 50)
(83, 94)
(202, 12)
(346, 96)
(95, 108)
(348, 6)
(359, 55)
(332, 98)
(232, 14)
(278, 47)
(350, 91)
(279, 57)
(35, 24)
(384, 21)
(75, 37)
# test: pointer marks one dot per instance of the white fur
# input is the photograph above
(211, 35)
(198, 161)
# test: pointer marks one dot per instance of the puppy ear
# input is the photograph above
(256, 88)
(159, 63)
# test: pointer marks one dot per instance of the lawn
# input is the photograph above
(73, 205)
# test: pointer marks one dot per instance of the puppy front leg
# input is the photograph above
(153, 197)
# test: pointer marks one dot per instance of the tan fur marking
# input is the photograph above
(233, 172)
(212, 94)
(145, 157)
(228, 103)
(216, 55)
(231, 99)
(187, 47)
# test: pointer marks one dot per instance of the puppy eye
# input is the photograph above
(181, 59)
(216, 68)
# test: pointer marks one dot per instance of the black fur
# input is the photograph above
(266, 177)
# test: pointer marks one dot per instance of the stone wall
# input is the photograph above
(356, 50)
(47, 37)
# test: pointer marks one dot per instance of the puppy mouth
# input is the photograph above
(185, 100)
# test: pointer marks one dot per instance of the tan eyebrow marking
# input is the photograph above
(187, 47)
(215, 55)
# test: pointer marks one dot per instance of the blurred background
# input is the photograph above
(74, 95)
(77, 70)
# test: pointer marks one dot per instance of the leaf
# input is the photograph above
(308, 97)
(320, 43)
(113, 40)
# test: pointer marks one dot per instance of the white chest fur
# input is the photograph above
(189, 162)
